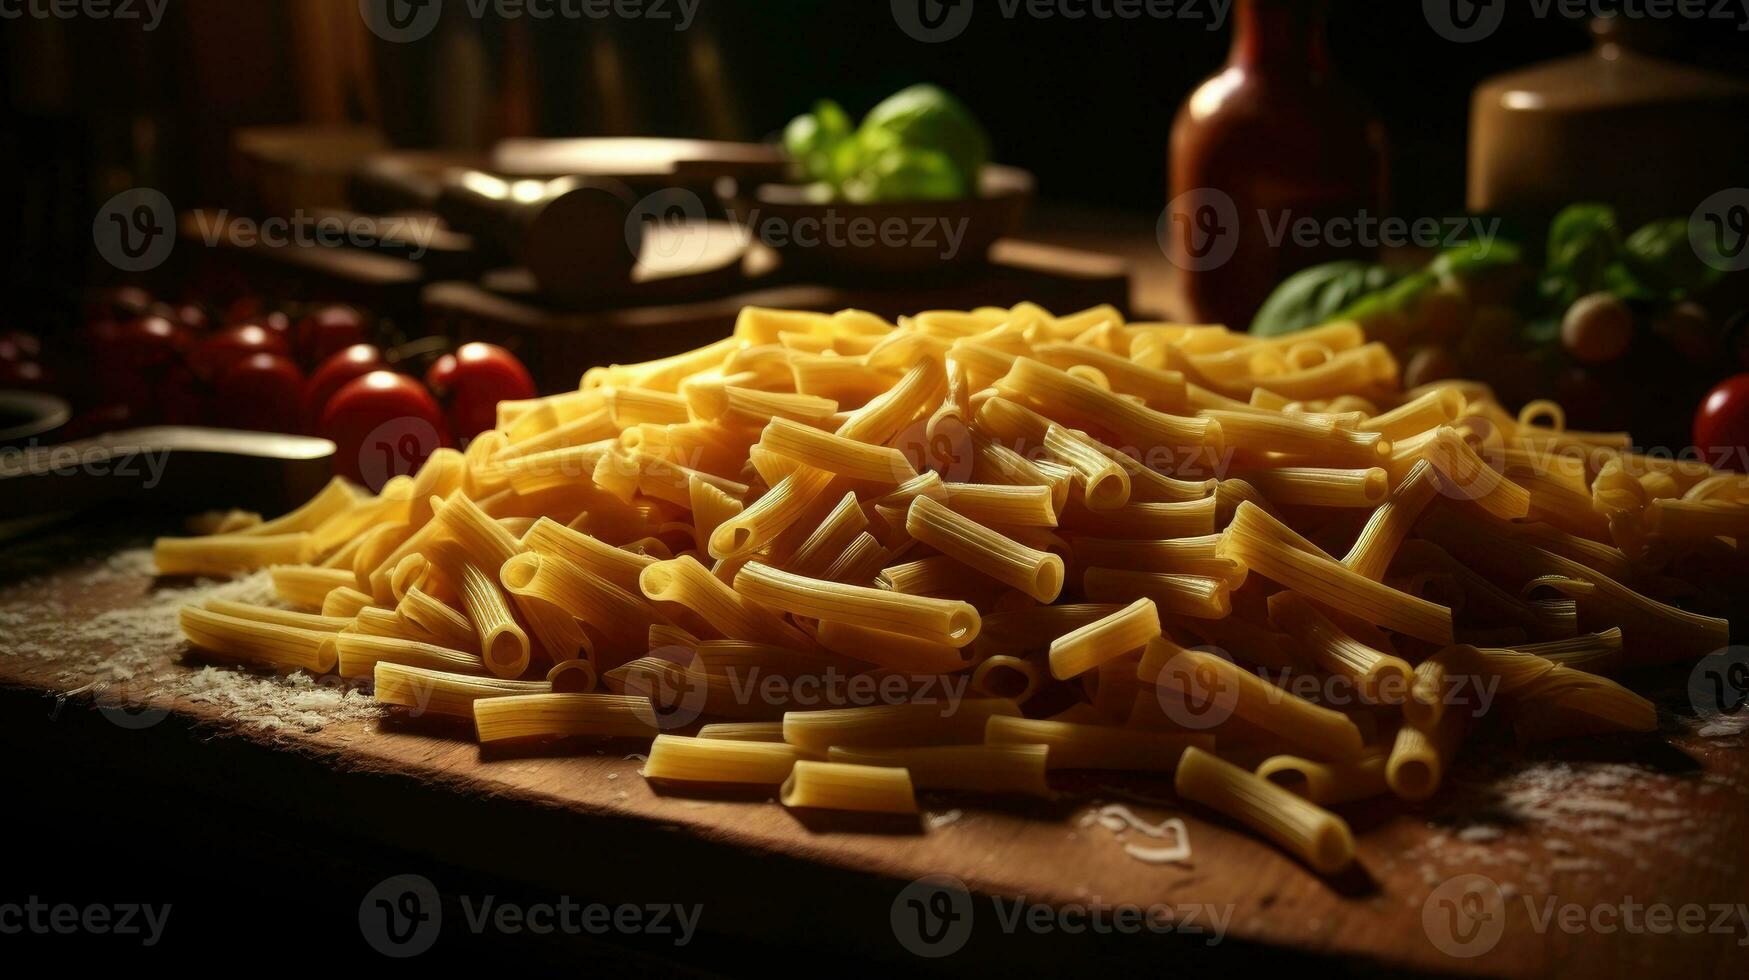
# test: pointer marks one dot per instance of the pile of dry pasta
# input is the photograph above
(1256, 565)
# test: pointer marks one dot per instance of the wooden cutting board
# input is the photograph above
(1652, 820)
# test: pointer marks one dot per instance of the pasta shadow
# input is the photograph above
(849, 822)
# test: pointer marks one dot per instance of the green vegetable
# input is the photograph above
(918, 144)
(1584, 241)
(1316, 295)
(1660, 258)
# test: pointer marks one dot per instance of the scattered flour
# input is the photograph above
(132, 656)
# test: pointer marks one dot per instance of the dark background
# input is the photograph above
(94, 107)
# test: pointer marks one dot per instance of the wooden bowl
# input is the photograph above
(839, 241)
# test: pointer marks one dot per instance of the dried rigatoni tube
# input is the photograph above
(359, 653)
(306, 586)
(718, 760)
(344, 602)
(1315, 835)
(1060, 395)
(436, 692)
(503, 643)
(1196, 596)
(766, 518)
(1381, 678)
(227, 554)
(1387, 527)
(690, 585)
(572, 677)
(1037, 573)
(939, 620)
(1267, 547)
(906, 725)
(895, 651)
(1003, 503)
(1420, 755)
(1080, 746)
(486, 543)
(622, 617)
(839, 786)
(1124, 631)
(836, 454)
(1310, 486)
(1176, 556)
(825, 543)
(744, 731)
(1316, 443)
(1105, 484)
(617, 565)
(531, 716)
(976, 768)
(449, 627)
(271, 644)
(1328, 783)
(1466, 475)
(280, 617)
(1326, 733)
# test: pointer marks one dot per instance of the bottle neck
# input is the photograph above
(1281, 37)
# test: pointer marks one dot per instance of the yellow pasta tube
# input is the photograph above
(1387, 527)
(617, 565)
(280, 617)
(719, 760)
(690, 585)
(1195, 596)
(308, 586)
(1328, 783)
(426, 691)
(977, 768)
(839, 786)
(449, 627)
(271, 644)
(825, 543)
(1309, 486)
(1083, 649)
(1003, 503)
(1003, 676)
(536, 716)
(1325, 733)
(836, 454)
(1315, 835)
(334, 499)
(891, 726)
(1178, 556)
(1266, 547)
(765, 518)
(1080, 746)
(1420, 755)
(344, 602)
(940, 620)
(227, 554)
(1037, 573)
(1379, 677)
(503, 643)
(572, 677)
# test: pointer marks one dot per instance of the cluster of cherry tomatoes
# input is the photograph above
(315, 370)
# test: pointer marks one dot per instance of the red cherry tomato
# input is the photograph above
(147, 343)
(218, 351)
(121, 302)
(329, 329)
(194, 317)
(244, 309)
(262, 392)
(1721, 425)
(384, 425)
(180, 399)
(341, 367)
(472, 381)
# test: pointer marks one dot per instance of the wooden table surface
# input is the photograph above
(1598, 824)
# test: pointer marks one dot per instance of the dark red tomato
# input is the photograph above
(16, 345)
(179, 399)
(218, 351)
(384, 425)
(472, 381)
(1721, 425)
(194, 317)
(262, 392)
(147, 343)
(353, 362)
(121, 303)
(244, 309)
(277, 322)
(329, 329)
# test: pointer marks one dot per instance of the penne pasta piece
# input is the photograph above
(1002, 503)
(1237, 692)
(278, 617)
(503, 643)
(1315, 835)
(1420, 755)
(307, 586)
(990, 768)
(269, 644)
(228, 554)
(689, 585)
(359, 653)
(893, 726)
(676, 758)
(1037, 573)
(938, 620)
(1002, 676)
(1379, 677)
(744, 731)
(1083, 746)
(1328, 783)
(1195, 596)
(576, 676)
(761, 521)
(436, 692)
(538, 716)
(1085, 648)
(1308, 486)
(839, 786)
(836, 454)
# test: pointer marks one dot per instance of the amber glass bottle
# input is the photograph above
(1275, 165)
